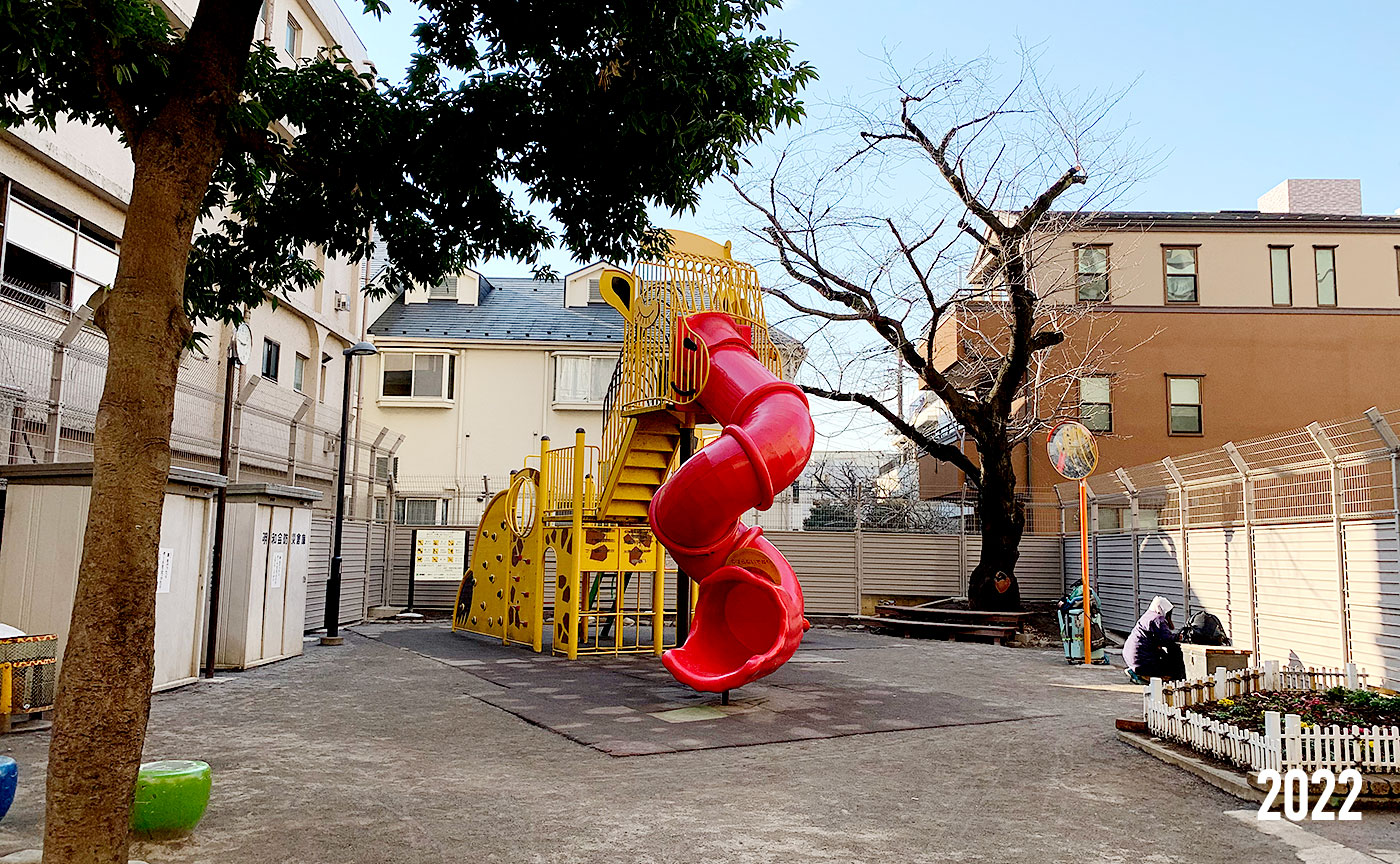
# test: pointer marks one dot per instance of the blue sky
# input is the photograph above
(1233, 96)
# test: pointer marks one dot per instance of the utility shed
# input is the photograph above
(262, 591)
(41, 545)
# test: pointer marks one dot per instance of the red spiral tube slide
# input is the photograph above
(748, 618)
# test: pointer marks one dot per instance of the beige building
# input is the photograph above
(63, 197)
(474, 371)
(1221, 326)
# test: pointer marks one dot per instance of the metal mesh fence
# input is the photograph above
(52, 369)
(1343, 469)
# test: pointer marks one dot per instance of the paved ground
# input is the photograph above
(404, 746)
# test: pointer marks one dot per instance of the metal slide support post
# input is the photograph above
(683, 593)
(1320, 438)
(216, 556)
(1133, 527)
(576, 602)
(1247, 489)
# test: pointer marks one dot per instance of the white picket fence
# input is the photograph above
(1285, 743)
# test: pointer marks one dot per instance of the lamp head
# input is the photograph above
(360, 349)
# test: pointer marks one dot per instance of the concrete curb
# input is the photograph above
(1225, 780)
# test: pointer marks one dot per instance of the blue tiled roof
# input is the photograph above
(514, 309)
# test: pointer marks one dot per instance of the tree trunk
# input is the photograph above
(992, 585)
(104, 688)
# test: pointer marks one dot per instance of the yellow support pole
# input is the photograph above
(658, 599)
(576, 562)
(619, 590)
(7, 694)
(541, 492)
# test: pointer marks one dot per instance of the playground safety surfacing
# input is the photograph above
(630, 706)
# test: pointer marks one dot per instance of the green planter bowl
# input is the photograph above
(170, 798)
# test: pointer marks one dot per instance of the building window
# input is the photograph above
(1281, 273)
(421, 511)
(293, 39)
(1110, 519)
(418, 376)
(299, 373)
(1325, 257)
(582, 379)
(444, 290)
(595, 291)
(272, 358)
(1181, 274)
(1095, 408)
(385, 468)
(1184, 405)
(50, 256)
(1093, 272)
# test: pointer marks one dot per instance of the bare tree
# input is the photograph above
(889, 269)
(849, 494)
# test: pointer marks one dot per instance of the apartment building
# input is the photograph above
(474, 370)
(63, 196)
(1211, 327)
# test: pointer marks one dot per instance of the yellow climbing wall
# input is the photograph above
(501, 593)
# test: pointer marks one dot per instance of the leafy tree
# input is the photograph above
(598, 110)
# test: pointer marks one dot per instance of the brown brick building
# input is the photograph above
(1220, 326)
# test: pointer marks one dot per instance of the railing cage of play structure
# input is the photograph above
(652, 375)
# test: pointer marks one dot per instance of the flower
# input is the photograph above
(1227, 702)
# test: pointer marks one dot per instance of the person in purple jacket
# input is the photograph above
(1152, 650)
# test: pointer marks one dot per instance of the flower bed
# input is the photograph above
(1336, 706)
(1250, 718)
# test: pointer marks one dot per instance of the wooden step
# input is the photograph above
(938, 629)
(952, 616)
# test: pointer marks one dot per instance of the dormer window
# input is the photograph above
(446, 289)
(595, 292)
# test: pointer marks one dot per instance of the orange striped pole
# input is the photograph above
(1084, 565)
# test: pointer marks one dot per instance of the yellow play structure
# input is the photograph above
(577, 515)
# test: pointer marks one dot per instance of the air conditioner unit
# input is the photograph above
(342, 301)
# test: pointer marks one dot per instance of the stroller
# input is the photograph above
(1070, 613)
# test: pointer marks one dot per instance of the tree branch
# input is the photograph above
(944, 452)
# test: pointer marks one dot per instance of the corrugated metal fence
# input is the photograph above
(1291, 540)
(835, 568)
(363, 548)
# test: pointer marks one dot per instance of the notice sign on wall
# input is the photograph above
(276, 569)
(164, 565)
(439, 555)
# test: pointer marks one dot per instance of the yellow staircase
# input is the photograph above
(644, 453)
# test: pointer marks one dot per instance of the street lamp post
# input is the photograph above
(333, 637)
